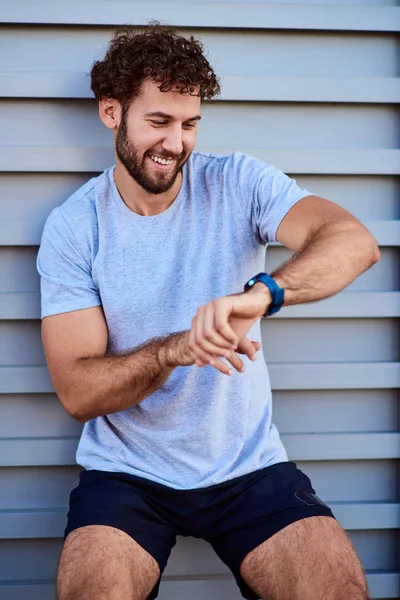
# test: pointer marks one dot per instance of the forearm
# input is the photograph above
(108, 384)
(329, 262)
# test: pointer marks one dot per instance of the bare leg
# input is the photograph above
(311, 559)
(104, 563)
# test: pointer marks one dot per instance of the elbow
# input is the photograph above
(79, 417)
(73, 408)
(375, 253)
(77, 412)
(368, 248)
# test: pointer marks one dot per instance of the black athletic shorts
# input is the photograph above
(234, 516)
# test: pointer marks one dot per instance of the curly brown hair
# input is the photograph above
(158, 54)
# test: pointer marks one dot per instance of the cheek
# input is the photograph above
(143, 137)
(189, 141)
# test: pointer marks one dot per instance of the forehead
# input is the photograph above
(179, 106)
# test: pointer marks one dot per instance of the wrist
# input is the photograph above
(275, 293)
(174, 351)
(263, 295)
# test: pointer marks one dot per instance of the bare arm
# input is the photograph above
(332, 246)
(90, 383)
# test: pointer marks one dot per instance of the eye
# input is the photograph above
(190, 125)
(159, 123)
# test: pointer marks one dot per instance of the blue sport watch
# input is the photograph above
(277, 293)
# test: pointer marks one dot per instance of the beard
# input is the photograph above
(137, 168)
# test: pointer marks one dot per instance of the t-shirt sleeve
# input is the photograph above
(266, 194)
(66, 282)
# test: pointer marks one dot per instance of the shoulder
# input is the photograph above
(74, 224)
(85, 199)
(79, 211)
(237, 165)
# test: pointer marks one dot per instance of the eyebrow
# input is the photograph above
(162, 115)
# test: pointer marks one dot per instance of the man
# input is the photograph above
(151, 343)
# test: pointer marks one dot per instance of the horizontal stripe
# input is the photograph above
(50, 523)
(58, 451)
(293, 376)
(300, 161)
(381, 585)
(28, 232)
(26, 305)
(335, 376)
(242, 15)
(341, 446)
(237, 88)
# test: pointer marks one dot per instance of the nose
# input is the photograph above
(173, 141)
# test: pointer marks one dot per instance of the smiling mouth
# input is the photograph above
(162, 162)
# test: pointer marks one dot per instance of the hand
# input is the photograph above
(221, 326)
(175, 352)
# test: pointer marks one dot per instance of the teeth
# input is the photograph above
(162, 161)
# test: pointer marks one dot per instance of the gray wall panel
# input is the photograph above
(379, 90)
(384, 586)
(229, 125)
(330, 119)
(329, 411)
(35, 415)
(49, 487)
(354, 481)
(37, 487)
(20, 343)
(22, 560)
(294, 412)
(367, 198)
(18, 271)
(384, 275)
(371, 340)
(33, 195)
(377, 549)
(194, 557)
(251, 15)
(72, 49)
(366, 340)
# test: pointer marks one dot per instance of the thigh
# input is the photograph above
(103, 563)
(117, 523)
(311, 558)
(266, 502)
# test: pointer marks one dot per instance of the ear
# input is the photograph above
(110, 111)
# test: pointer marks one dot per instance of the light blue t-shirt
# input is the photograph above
(150, 274)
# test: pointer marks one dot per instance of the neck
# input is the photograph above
(140, 201)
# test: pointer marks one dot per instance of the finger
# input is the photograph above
(221, 314)
(200, 363)
(236, 362)
(210, 334)
(247, 347)
(257, 347)
(204, 349)
(198, 351)
(221, 366)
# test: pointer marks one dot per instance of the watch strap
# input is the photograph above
(277, 293)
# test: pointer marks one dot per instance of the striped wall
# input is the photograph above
(313, 89)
